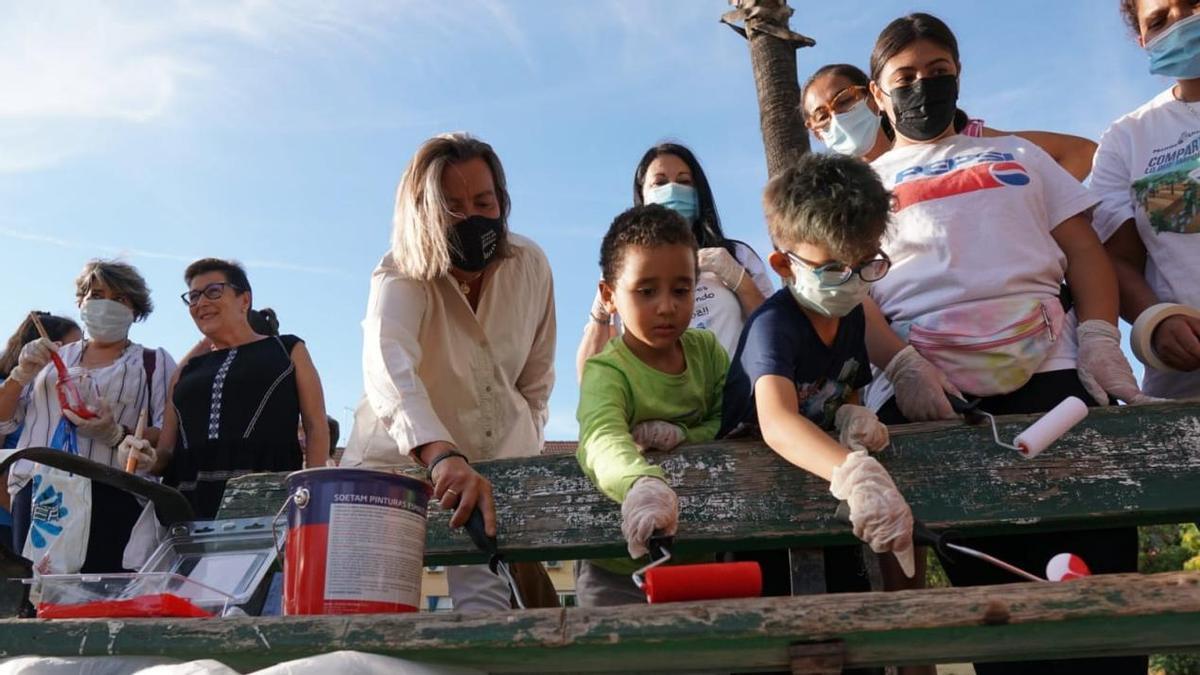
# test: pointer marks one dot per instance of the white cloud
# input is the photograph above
(73, 72)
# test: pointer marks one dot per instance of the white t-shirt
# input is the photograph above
(718, 308)
(1148, 169)
(971, 221)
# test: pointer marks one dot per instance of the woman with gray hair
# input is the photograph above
(126, 377)
(458, 355)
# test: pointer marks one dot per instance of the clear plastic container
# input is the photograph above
(128, 595)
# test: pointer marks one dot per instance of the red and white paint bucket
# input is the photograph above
(355, 543)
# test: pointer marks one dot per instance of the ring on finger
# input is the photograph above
(450, 491)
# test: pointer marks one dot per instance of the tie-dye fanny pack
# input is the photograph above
(990, 347)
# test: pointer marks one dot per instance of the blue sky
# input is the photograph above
(275, 132)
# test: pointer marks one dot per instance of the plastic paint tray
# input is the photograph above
(127, 595)
(231, 556)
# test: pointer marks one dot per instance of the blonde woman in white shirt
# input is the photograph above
(1148, 185)
(458, 346)
(128, 378)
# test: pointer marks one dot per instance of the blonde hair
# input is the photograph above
(120, 278)
(421, 225)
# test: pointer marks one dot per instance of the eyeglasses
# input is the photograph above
(833, 274)
(213, 291)
(843, 101)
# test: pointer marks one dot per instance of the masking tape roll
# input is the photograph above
(1143, 331)
(1051, 427)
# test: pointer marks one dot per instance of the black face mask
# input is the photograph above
(478, 241)
(925, 108)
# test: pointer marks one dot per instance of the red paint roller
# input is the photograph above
(1062, 567)
(704, 581)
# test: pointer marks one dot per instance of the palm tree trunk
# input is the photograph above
(773, 58)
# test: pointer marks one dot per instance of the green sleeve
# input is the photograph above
(606, 452)
(718, 367)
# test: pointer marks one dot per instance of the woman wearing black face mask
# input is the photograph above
(984, 230)
(458, 349)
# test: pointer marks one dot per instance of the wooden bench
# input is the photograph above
(1122, 466)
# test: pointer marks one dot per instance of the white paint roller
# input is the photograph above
(1031, 442)
(1143, 331)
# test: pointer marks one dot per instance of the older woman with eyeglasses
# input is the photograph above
(235, 406)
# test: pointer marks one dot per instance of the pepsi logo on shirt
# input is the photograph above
(955, 176)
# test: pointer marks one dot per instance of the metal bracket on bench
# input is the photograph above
(817, 658)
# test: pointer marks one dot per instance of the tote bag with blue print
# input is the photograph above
(60, 513)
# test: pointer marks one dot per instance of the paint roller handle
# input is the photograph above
(479, 536)
(969, 410)
(660, 545)
(922, 535)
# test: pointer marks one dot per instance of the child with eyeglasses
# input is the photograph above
(802, 357)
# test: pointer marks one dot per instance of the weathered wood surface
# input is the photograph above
(1111, 615)
(1128, 465)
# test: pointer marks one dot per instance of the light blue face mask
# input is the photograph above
(1176, 51)
(681, 199)
(853, 132)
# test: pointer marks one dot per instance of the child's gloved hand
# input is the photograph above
(599, 313)
(1102, 367)
(716, 260)
(920, 387)
(650, 506)
(657, 435)
(34, 356)
(858, 426)
(142, 450)
(878, 512)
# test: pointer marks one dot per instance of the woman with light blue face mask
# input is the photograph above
(837, 110)
(1147, 178)
(124, 379)
(733, 280)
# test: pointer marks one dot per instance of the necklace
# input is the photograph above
(464, 287)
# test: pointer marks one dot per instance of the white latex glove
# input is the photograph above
(920, 387)
(599, 313)
(717, 260)
(859, 426)
(142, 450)
(650, 506)
(657, 435)
(34, 356)
(878, 512)
(102, 427)
(1102, 367)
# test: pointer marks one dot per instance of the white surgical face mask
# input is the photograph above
(106, 320)
(853, 132)
(827, 301)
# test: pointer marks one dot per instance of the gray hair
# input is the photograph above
(831, 201)
(421, 241)
(120, 278)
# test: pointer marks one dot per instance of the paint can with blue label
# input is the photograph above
(356, 542)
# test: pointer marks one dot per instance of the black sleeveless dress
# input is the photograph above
(239, 412)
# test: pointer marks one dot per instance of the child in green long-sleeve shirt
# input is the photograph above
(656, 385)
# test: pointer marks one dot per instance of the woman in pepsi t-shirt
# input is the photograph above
(984, 230)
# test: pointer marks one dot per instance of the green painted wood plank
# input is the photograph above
(1123, 465)
(1110, 615)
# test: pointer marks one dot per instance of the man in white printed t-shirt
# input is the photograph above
(1146, 178)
